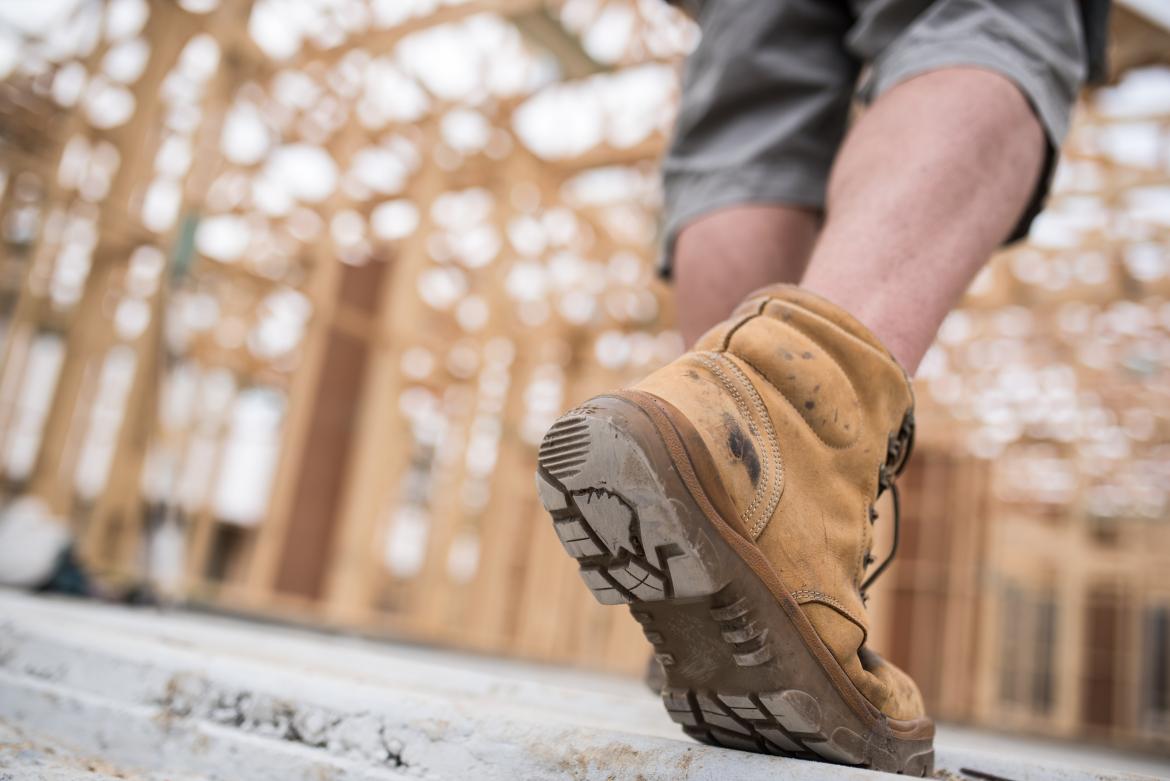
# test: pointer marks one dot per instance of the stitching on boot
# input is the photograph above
(803, 596)
(710, 361)
(774, 443)
(711, 364)
(817, 434)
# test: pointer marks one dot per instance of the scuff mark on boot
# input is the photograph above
(741, 447)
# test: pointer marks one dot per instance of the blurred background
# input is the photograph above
(291, 289)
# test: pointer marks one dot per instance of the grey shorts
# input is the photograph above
(767, 94)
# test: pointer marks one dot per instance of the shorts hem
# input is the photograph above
(915, 59)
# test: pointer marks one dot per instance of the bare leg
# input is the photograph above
(722, 256)
(929, 182)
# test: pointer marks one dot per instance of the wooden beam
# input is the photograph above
(541, 29)
(166, 29)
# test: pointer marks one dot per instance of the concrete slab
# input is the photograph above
(23, 757)
(148, 692)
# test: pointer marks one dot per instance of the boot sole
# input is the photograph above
(744, 668)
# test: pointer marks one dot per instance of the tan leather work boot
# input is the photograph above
(728, 498)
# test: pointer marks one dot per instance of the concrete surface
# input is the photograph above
(96, 692)
(22, 757)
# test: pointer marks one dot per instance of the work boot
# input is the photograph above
(728, 500)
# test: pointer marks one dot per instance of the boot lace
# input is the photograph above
(897, 455)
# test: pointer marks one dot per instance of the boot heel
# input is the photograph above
(619, 509)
